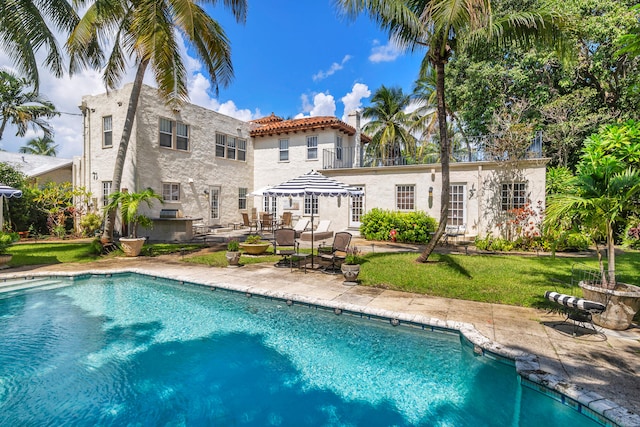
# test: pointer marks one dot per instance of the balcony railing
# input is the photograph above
(474, 150)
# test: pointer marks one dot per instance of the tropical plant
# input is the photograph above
(253, 239)
(438, 26)
(147, 32)
(24, 29)
(6, 240)
(22, 106)
(605, 191)
(43, 146)
(388, 124)
(90, 223)
(129, 204)
(57, 201)
(353, 256)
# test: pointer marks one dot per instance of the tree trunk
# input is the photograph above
(107, 235)
(444, 161)
(611, 257)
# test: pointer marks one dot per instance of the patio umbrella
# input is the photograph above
(8, 192)
(312, 184)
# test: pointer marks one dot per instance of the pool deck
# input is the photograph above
(603, 374)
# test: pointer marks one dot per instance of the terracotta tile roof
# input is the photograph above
(274, 125)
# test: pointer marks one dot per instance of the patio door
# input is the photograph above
(214, 205)
(356, 208)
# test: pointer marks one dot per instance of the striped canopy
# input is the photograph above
(312, 184)
(9, 192)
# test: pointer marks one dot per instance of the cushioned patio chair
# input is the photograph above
(285, 245)
(301, 225)
(336, 253)
(579, 310)
(321, 232)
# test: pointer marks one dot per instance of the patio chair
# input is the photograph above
(285, 245)
(286, 219)
(301, 226)
(266, 221)
(579, 310)
(249, 223)
(321, 232)
(336, 253)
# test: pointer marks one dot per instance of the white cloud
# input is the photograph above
(353, 100)
(323, 105)
(320, 75)
(384, 53)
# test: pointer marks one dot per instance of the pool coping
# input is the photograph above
(586, 402)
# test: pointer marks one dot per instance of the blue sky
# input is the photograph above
(293, 58)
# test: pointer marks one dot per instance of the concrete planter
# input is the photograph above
(622, 304)
(255, 248)
(233, 258)
(132, 246)
(4, 260)
(350, 272)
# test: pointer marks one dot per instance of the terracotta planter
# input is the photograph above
(350, 272)
(622, 304)
(255, 248)
(233, 258)
(132, 246)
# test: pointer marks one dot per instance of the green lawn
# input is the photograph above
(504, 279)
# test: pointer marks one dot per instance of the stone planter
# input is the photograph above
(4, 260)
(350, 272)
(255, 248)
(622, 304)
(233, 258)
(132, 246)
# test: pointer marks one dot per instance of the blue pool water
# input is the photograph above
(132, 350)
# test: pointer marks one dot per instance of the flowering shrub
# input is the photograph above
(353, 255)
(632, 235)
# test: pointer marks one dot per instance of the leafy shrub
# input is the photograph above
(410, 227)
(6, 240)
(233, 245)
(96, 247)
(631, 237)
(90, 223)
(253, 238)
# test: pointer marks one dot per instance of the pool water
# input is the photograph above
(133, 350)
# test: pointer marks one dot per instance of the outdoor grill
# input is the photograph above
(170, 213)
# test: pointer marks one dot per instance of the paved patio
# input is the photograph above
(602, 374)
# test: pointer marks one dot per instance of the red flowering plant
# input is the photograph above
(523, 225)
(392, 234)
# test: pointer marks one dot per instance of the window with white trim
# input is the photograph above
(405, 197)
(242, 149)
(242, 198)
(312, 147)
(310, 205)
(284, 150)
(107, 131)
(173, 134)
(456, 205)
(106, 192)
(170, 192)
(221, 144)
(514, 195)
(231, 148)
(338, 148)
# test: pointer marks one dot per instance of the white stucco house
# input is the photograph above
(208, 167)
(41, 169)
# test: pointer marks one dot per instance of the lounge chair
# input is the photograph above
(321, 232)
(285, 245)
(336, 253)
(579, 310)
(301, 225)
(249, 223)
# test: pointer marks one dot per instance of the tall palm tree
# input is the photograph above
(146, 31)
(43, 146)
(389, 124)
(438, 26)
(22, 107)
(24, 29)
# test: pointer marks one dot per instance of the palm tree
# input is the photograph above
(22, 107)
(146, 31)
(389, 124)
(129, 204)
(439, 26)
(43, 146)
(24, 30)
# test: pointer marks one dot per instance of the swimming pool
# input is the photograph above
(132, 349)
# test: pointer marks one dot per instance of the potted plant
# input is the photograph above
(233, 252)
(6, 240)
(129, 204)
(351, 265)
(254, 245)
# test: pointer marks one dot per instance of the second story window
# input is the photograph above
(339, 148)
(174, 134)
(221, 144)
(312, 147)
(284, 150)
(170, 192)
(242, 149)
(231, 148)
(107, 131)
